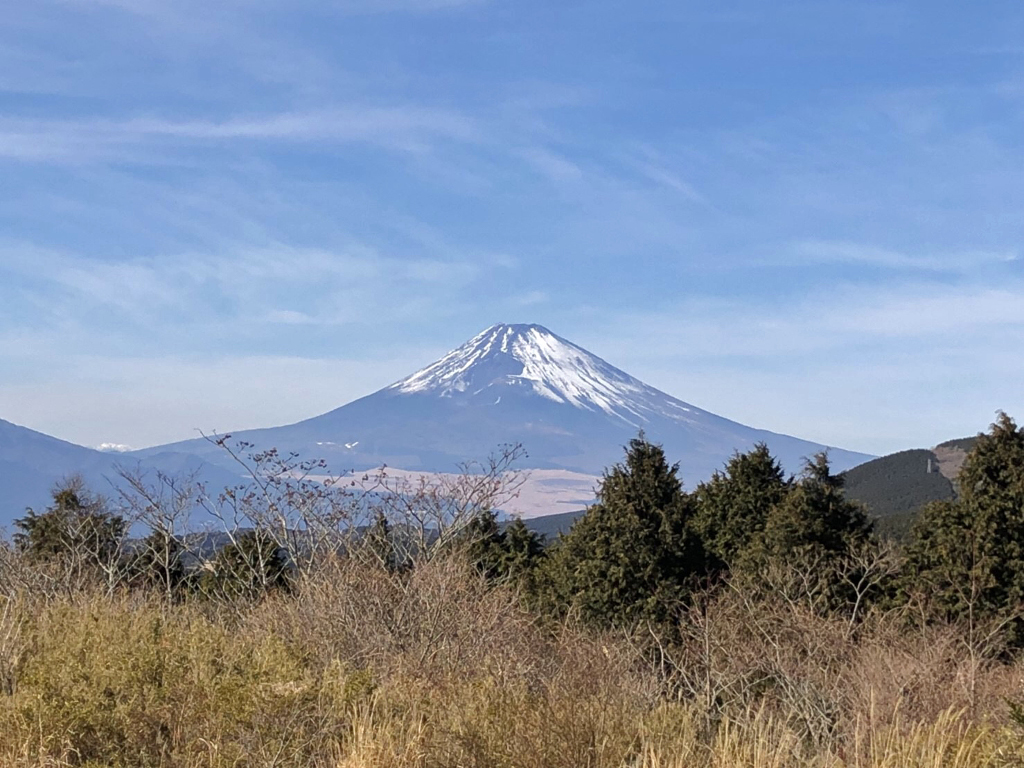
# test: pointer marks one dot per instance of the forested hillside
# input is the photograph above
(895, 488)
(898, 483)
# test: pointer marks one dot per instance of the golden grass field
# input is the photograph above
(364, 668)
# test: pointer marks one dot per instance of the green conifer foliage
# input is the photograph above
(733, 506)
(484, 543)
(523, 549)
(250, 566)
(159, 563)
(810, 536)
(967, 555)
(501, 554)
(942, 559)
(381, 543)
(815, 517)
(76, 529)
(633, 555)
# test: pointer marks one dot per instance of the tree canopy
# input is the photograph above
(634, 554)
(734, 505)
(77, 528)
(967, 555)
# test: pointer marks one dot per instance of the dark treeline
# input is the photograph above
(641, 555)
(647, 548)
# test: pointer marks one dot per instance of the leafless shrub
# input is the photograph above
(294, 509)
(746, 652)
(362, 665)
(429, 511)
(437, 618)
(12, 648)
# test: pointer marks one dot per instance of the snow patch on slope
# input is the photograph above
(532, 356)
(114, 448)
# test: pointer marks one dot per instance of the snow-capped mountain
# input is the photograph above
(517, 357)
(568, 408)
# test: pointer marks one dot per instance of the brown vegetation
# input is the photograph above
(365, 666)
(403, 629)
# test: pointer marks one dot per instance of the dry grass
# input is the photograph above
(364, 668)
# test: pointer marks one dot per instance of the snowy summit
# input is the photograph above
(508, 358)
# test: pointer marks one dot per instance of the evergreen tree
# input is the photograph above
(159, 563)
(815, 517)
(76, 529)
(523, 550)
(967, 556)
(380, 540)
(807, 537)
(484, 543)
(250, 566)
(501, 554)
(633, 555)
(732, 508)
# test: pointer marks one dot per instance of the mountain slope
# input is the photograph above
(895, 487)
(898, 483)
(31, 463)
(522, 384)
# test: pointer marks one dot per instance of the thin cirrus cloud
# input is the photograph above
(854, 345)
(226, 287)
(830, 252)
(780, 204)
(179, 10)
(409, 128)
(851, 343)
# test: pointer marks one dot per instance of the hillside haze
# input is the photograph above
(31, 463)
(522, 384)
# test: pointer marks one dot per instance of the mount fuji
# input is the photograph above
(570, 410)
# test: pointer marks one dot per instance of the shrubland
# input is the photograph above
(755, 621)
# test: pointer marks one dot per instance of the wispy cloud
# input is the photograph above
(838, 252)
(531, 299)
(205, 187)
(272, 284)
(162, 398)
(552, 165)
(828, 320)
(873, 365)
(163, 9)
(400, 128)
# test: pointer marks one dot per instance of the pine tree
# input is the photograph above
(159, 563)
(380, 541)
(77, 529)
(633, 555)
(807, 539)
(483, 543)
(523, 550)
(943, 559)
(815, 516)
(733, 507)
(967, 556)
(501, 554)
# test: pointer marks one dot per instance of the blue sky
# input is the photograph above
(806, 216)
